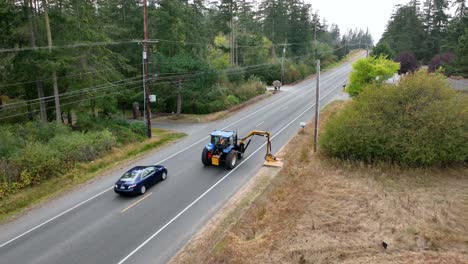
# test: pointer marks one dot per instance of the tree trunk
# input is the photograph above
(136, 109)
(39, 85)
(42, 104)
(179, 98)
(70, 118)
(58, 115)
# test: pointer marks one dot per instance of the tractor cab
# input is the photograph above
(222, 141)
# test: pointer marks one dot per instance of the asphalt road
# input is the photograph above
(94, 225)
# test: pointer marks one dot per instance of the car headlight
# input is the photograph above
(115, 186)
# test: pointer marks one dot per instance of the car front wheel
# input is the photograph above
(164, 175)
(142, 189)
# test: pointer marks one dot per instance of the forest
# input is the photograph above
(430, 32)
(74, 60)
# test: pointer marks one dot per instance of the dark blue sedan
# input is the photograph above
(138, 179)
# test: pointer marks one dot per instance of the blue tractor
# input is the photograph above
(224, 149)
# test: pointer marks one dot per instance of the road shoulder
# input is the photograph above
(317, 210)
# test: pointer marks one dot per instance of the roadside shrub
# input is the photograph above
(371, 70)
(439, 61)
(408, 62)
(250, 89)
(40, 160)
(40, 131)
(292, 74)
(10, 144)
(75, 147)
(82, 147)
(236, 75)
(268, 74)
(138, 128)
(103, 141)
(232, 100)
(420, 121)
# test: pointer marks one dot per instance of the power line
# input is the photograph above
(252, 68)
(172, 76)
(64, 77)
(188, 76)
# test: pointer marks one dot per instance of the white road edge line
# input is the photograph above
(106, 190)
(207, 191)
(53, 218)
(218, 182)
(260, 123)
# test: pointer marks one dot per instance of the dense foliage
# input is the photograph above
(408, 62)
(420, 121)
(87, 54)
(34, 152)
(370, 70)
(428, 31)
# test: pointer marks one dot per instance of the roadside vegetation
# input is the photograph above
(198, 65)
(325, 210)
(427, 33)
(370, 70)
(39, 160)
(419, 121)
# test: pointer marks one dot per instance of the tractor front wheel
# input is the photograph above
(231, 159)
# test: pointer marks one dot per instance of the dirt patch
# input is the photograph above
(326, 211)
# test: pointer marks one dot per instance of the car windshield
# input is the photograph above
(130, 176)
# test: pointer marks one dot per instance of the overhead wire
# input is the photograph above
(177, 77)
(257, 67)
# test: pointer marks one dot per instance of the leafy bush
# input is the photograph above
(371, 70)
(138, 128)
(383, 49)
(41, 161)
(82, 147)
(250, 89)
(408, 62)
(292, 74)
(236, 75)
(10, 144)
(232, 100)
(439, 61)
(40, 131)
(420, 121)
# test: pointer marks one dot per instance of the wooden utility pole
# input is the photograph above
(315, 38)
(146, 70)
(317, 107)
(58, 112)
(282, 61)
(179, 97)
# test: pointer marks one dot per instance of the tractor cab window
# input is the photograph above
(215, 140)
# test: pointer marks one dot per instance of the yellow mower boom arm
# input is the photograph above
(270, 160)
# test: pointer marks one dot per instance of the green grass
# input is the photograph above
(83, 172)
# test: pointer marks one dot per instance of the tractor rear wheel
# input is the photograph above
(231, 159)
(204, 157)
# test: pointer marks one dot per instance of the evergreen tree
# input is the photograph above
(405, 32)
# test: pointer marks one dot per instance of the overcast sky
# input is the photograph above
(373, 14)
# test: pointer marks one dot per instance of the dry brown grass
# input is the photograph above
(322, 211)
